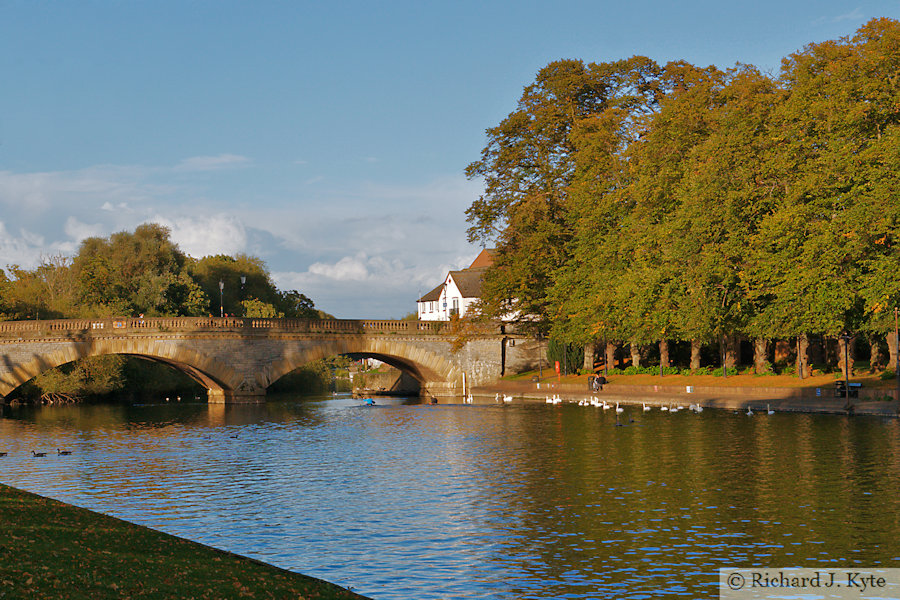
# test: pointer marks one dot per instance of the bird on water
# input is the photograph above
(63, 452)
(36, 454)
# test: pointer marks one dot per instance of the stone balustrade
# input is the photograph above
(63, 327)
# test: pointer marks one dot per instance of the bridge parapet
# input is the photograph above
(124, 325)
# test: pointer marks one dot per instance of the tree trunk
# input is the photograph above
(695, 354)
(845, 353)
(832, 350)
(761, 356)
(589, 350)
(802, 356)
(664, 353)
(877, 357)
(726, 348)
(635, 354)
(891, 339)
(611, 355)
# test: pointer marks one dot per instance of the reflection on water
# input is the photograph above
(459, 501)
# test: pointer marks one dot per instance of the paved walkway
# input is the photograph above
(806, 400)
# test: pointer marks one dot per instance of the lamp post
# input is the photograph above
(243, 308)
(897, 353)
(540, 357)
(221, 298)
(605, 358)
(846, 337)
(724, 357)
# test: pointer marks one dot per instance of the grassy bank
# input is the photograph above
(869, 380)
(49, 549)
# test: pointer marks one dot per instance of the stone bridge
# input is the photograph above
(237, 359)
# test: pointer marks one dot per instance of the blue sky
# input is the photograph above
(327, 138)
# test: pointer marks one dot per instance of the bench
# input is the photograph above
(841, 390)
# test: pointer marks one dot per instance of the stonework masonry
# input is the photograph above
(237, 359)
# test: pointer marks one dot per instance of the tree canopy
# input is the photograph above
(635, 201)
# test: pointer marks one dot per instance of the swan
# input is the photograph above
(619, 409)
(470, 399)
(699, 409)
(63, 452)
(507, 398)
(606, 405)
(749, 412)
(646, 408)
(549, 400)
(33, 453)
(769, 410)
(664, 408)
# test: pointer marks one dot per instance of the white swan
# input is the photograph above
(664, 408)
(769, 410)
(749, 412)
(619, 409)
(646, 408)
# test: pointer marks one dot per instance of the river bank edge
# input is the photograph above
(50, 549)
(790, 399)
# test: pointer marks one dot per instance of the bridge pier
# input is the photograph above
(235, 397)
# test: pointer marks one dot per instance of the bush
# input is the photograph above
(887, 375)
(570, 356)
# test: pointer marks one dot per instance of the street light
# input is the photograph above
(540, 357)
(846, 337)
(897, 352)
(724, 356)
(221, 298)
(243, 308)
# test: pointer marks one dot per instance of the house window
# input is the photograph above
(455, 310)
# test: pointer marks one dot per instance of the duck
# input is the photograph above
(37, 454)
(63, 452)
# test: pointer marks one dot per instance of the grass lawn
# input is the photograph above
(53, 550)
(869, 380)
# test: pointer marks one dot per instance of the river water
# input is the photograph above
(413, 501)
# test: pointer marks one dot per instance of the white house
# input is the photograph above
(456, 294)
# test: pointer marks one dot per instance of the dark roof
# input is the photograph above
(469, 281)
(433, 295)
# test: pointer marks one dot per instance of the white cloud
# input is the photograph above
(212, 163)
(349, 268)
(855, 15)
(78, 231)
(206, 236)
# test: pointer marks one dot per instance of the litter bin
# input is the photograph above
(840, 389)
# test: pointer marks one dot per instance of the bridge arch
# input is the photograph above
(428, 368)
(217, 377)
